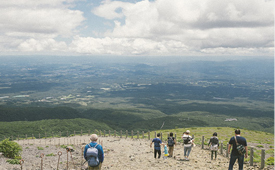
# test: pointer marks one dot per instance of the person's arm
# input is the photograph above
(175, 141)
(192, 139)
(229, 147)
(84, 153)
(151, 144)
(100, 154)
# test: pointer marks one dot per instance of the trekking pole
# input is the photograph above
(84, 163)
(41, 156)
(21, 163)
(59, 154)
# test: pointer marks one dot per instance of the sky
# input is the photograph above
(137, 27)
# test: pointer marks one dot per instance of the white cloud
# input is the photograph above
(160, 27)
(42, 45)
(199, 26)
(31, 21)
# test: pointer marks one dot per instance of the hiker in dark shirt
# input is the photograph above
(157, 146)
(234, 153)
(171, 143)
(214, 145)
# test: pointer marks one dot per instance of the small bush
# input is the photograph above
(270, 151)
(260, 146)
(51, 154)
(13, 161)
(270, 161)
(63, 146)
(18, 157)
(10, 149)
(40, 148)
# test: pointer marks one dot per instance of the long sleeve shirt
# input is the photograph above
(100, 151)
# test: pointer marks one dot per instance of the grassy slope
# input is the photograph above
(257, 139)
(224, 134)
(52, 125)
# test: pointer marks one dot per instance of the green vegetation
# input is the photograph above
(10, 149)
(40, 148)
(50, 127)
(9, 114)
(135, 96)
(13, 161)
(51, 154)
(270, 161)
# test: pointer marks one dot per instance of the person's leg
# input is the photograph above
(159, 152)
(172, 151)
(232, 161)
(240, 162)
(185, 150)
(188, 151)
(215, 154)
(155, 153)
(212, 155)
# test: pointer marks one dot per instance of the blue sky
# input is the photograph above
(137, 28)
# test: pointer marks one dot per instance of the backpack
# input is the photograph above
(92, 156)
(186, 140)
(214, 144)
(171, 142)
(214, 147)
(215, 140)
(240, 148)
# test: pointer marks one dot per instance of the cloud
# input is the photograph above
(173, 27)
(42, 45)
(30, 21)
(160, 27)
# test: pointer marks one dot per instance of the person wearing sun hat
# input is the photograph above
(188, 142)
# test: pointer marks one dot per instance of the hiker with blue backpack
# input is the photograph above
(171, 143)
(93, 153)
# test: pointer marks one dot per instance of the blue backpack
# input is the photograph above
(92, 156)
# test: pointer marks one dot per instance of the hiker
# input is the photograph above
(157, 143)
(214, 145)
(171, 143)
(188, 143)
(235, 153)
(94, 157)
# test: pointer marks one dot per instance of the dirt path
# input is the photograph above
(120, 153)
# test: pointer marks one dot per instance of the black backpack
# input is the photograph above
(215, 140)
(171, 142)
(187, 140)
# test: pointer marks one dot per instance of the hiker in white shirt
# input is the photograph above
(188, 143)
